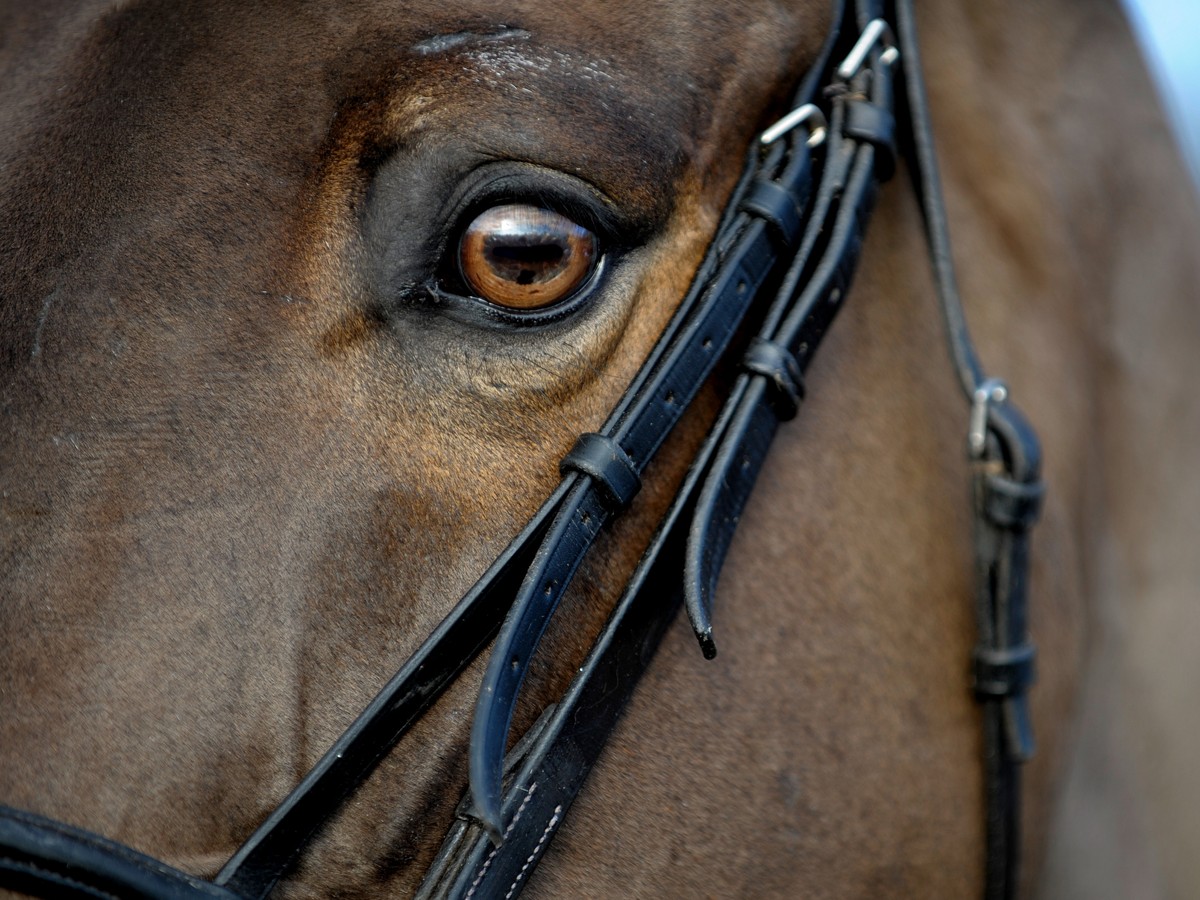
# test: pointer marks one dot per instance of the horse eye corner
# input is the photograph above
(526, 258)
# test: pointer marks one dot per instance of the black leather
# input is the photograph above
(1005, 672)
(601, 458)
(1007, 491)
(545, 776)
(804, 309)
(473, 863)
(257, 866)
(1007, 494)
(1013, 504)
(779, 207)
(778, 365)
(45, 858)
(875, 124)
(743, 260)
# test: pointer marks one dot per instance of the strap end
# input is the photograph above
(1018, 730)
(697, 597)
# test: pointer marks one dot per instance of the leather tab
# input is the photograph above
(1005, 672)
(877, 126)
(775, 204)
(602, 459)
(778, 365)
(1012, 504)
(727, 468)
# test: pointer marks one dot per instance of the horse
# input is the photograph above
(260, 436)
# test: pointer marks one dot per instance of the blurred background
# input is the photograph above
(1169, 31)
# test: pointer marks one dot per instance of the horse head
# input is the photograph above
(303, 305)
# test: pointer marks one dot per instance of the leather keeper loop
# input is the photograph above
(778, 207)
(602, 459)
(1012, 504)
(1004, 672)
(778, 365)
(877, 126)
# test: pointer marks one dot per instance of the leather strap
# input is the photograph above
(601, 458)
(254, 870)
(776, 205)
(927, 183)
(1007, 490)
(801, 315)
(745, 263)
(778, 365)
(473, 863)
(544, 776)
(45, 858)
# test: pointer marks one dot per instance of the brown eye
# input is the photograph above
(523, 257)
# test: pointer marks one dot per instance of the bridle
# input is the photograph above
(780, 265)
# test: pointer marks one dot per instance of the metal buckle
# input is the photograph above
(806, 114)
(877, 30)
(991, 391)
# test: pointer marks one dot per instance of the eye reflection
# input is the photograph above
(524, 257)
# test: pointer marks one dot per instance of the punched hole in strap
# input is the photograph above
(1004, 672)
(779, 366)
(778, 207)
(602, 459)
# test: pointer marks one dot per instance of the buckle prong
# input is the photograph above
(807, 114)
(877, 30)
(992, 391)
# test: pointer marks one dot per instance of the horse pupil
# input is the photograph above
(525, 257)
(527, 263)
(536, 255)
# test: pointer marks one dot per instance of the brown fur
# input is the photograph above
(243, 477)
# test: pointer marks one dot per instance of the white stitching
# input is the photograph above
(512, 888)
(507, 831)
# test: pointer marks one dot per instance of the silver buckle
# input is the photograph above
(992, 391)
(877, 31)
(806, 114)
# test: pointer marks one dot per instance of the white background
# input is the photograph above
(1169, 31)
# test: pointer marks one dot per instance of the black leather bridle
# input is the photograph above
(780, 265)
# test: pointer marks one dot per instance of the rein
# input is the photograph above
(781, 263)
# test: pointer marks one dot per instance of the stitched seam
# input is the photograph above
(507, 831)
(512, 888)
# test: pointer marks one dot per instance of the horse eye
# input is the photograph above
(523, 257)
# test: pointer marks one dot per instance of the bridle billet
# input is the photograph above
(781, 264)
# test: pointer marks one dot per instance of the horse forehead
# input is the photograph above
(642, 36)
(160, 126)
(659, 72)
(494, 59)
(149, 109)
